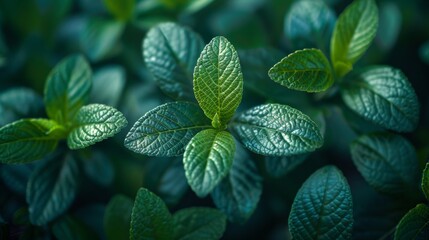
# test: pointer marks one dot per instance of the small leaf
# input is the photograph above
(166, 130)
(67, 88)
(108, 84)
(383, 95)
(414, 225)
(218, 81)
(94, 123)
(277, 130)
(304, 70)
(17, 103)
(70, 228)
(207, 159)
(27, 140)
(279, 166)
(425, 181)
(199, 223)
(150, 218)
(122, 10)
(170, 52)
(117, 217)
(353, 33)
(322, 208)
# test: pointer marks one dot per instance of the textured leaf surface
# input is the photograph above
(108, 84)
(277, 130)
(322, 208)
(304, 70)
(121, 9)
(388, 162)
(353, 33)
(218, 81)
(27, 140)
(279, 166)
(170, 52)
(425, 181)
(71, 228)
(208, 159)
(18, 103)
(94, 123)
(199, 223)
(117, 217)
(67, 88)
(414, 225)
(167, 129)
(383, 96)
(150, 218)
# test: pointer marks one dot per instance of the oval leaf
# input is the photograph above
(425, 181)
(117, 218)
(18, 103)
(414, 225)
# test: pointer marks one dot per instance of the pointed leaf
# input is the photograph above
(17, 103)
(279, 166)
(425, 181)
(122, 10)
(108, 84)
(414, 225)
(70, 228)
(207, 159)
(117, 217)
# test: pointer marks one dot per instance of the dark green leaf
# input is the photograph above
(121, 9)
(98, 167)
(108, 84)
(117, 217)
(15, 177)
(322, 208)
(389, 25)
(414, 225)
(18, 103)
(279, 166)
(70, 228)
(425, 181)
(167, 129)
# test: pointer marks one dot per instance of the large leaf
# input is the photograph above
(279, 166)
(414, 225)
(27, 140)
(121, 9)
(94, 123)
(117, 217)
(304, 70)
(107, 85)
(18, 103)
(70, 228)
(425, 181)
(277, 130)
(322, 208)
(383, 95)
(167, 129)
(353, 33)
(199, 223)
(67, 88)
(51, 189)
(388, 162)
(218, 81)
(207, 159)
(150, 218)
(170, 52)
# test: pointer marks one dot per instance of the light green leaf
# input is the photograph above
(304, 70)
(277, 130)
(167, 129)
(51, 189)
(425, 181)
(108, 84)
(170, 52)
(67, 88)
(150, 218)
(199, 223)
(117, 217)
(218, 81)
(17, 103)
(279, 166)
(121, 9)
(207, 159)
(383, 95)
(388, 162)
(27, 140)
(353, 33)
(414, 225)
(322, 208)
(94, 123)
(71, 228)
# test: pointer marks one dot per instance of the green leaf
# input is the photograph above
(98, 167)
(277, 130)
(51, 189)
(166, 130)
(388, 162)
(70, 228)
(207, 159)
(383, 95)
(322, 208)
(108, 84)
(304, 70)
(238, 194)
(279, 166)
(67, 88)
(425, 181)
(150, 218)
(122, 10)
(389, 25)
(414, 225)
(117, 217)
(17, 103)
(15, 177)
(27, 140)
(353, 33)
(170, 52)
(218, 81)
(199, 223)
(94, 123)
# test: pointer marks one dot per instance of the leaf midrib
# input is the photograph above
(176, 130)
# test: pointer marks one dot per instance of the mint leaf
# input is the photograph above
(353, 33)
(108, 84)
(27, 140)
(117, 217)
(16, 103)
(279, 166)
(322, 208)
(207, 159)
(94, 123)
(383, 95)
(425, 181)
(150, 218)
(121, 9)
(414, 225)
(304, 70)
(170, 52)
(218, 81)
(67, 88)
(277, 130)
(167, 129)
(70, 228)
(199, 223)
